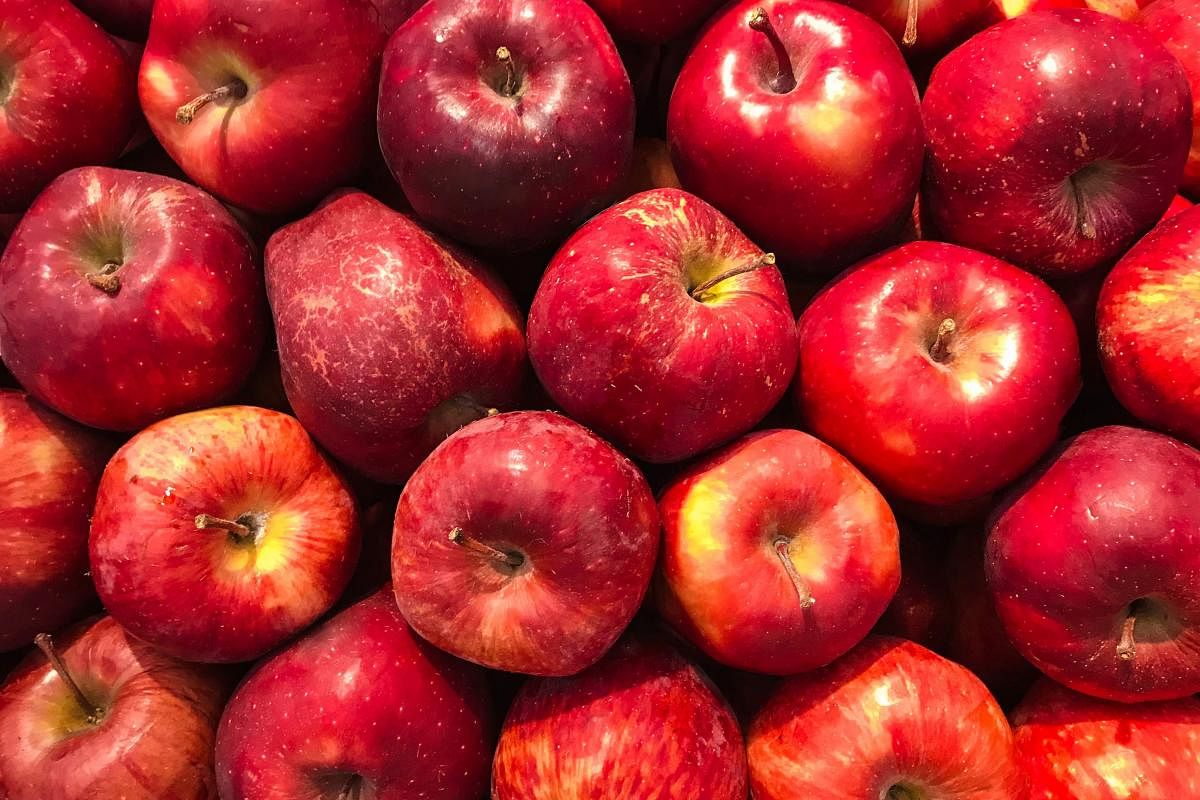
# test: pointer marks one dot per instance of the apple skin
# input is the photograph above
(399, 720)
(579, 514)
(1176, 23)
(940, 24)
(842, 151)
(937, 433)
(129, 19)
(503, 169)
(1071, 745)
(723, 583)
(388, 339)
(644, 722)
(394, 13)
(182, 331)
(310, 69)
(921, 609)
(1117, 514)
(653, 23)
(66, 97)
(206, 595)
(48, 481)
(887, 717)
(1056, 139)
(153, 742)
(620, 343)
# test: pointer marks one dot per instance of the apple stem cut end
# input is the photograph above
(235, 89)
(204, 521)
(939, 351)
(92, 711)
(910, 26)
(106, 279)
(765, 260)
(785, 78)
(509, 560)
(511, 82)
(803, 594)
(1127, 646)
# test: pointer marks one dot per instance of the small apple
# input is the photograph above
(651, 169)
(921, 610)
(653, 23)
(927, 27)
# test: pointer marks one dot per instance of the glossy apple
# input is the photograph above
(129, 19)
(927, 26)
(48, 481)
(268, 110)
(1118, 617)
(1056, 139)
(1176, 23)
(399, 720)
(800, 120)
(663, 327)
(644, 722)
(653, 23)
(388, 339)
(220, 534)
(119, 721)
(942, 372)
(889, 720)
(524, 543)
(778, 555)
(66, 97)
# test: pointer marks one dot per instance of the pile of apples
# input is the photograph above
(599, 400)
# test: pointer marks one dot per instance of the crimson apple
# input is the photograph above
(643, 722)
(800, 120)
(219, 534)
(129, 19)
(1176, 23)
(663, 327)
(927, 27)
(1056, 139)
(524, 543)
(651, 168)
(653, 23)
(394, 13)
(921, 610)
(388, 339)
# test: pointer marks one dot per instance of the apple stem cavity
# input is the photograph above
(235, 89)
(239, 530)
(910, 26)
(785, 79)
(765, 260)
(1127, 647)
(509, 560)
(106, 279)
(805, 597)
(511, 82)
(939, 351)
(90, 709)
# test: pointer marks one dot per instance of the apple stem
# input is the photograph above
(802, 593)
(504, 56)
(106, 279)
(910, 27)
(352, 789)
(1083, 217)
(510, 560)
(46, 645)
(939, 351)
(765, 260)
(785, 80)
(236, 89)
(1127, 647)
(236, 528)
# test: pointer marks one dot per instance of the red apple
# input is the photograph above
(1176, 23)
(1146, 318)
(267, 107)
(1056, 139)
(48, 481)
(128, 297)
(656, 22)
(129, 19)
(398, 719)
(108, 717)
(651, 169)
(388, 339)
(663, 327)
(1179, 205)
(800, 120)
(1125, 9)
(220, 534)
(778, 555)
(944, 373)
(394, 13)
(921, 609)
(927, 27)
(1095, 566)
(642, 723)
(524, 543)
(66, 97)
(889, 720)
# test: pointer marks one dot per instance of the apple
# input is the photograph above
(921, 610)
(1094, 565)
(48, 481)
(778, 555)
(388, 339)
(1176, 24)
(927, 27)
(889, 720)
(506, 122)
(1179, 205)
(1056, 139)
(220, 534)
(128, 297)
(651, 169)
(643, 722)
(66, 97)
(104, 716)
(524, 543)
(942, 372)
(269, 107)
(1125, 9)
(129, 19)
(661, 326)
(653, 23)
(394, 13)
(800, 120)
(398, 719)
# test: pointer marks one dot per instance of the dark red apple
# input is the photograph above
(663, 327)
(921, 610)
(1095, 566)
(889, 720)
(220, 534)
(128, 297)
(944, 373)
(398, 719)
(778, 555)
(642, 723)
(1176, 23)
(927, 27)
(394, 13)
(104, 716)
(655, 22)
(129, 19)
(800, 120)
(1056, 139)
(524, 543)
(388, 339)
(651, 168)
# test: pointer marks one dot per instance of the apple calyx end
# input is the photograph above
(510, 561)
(93, 712)
(765, 260)
(235, 89)
(803, 594)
